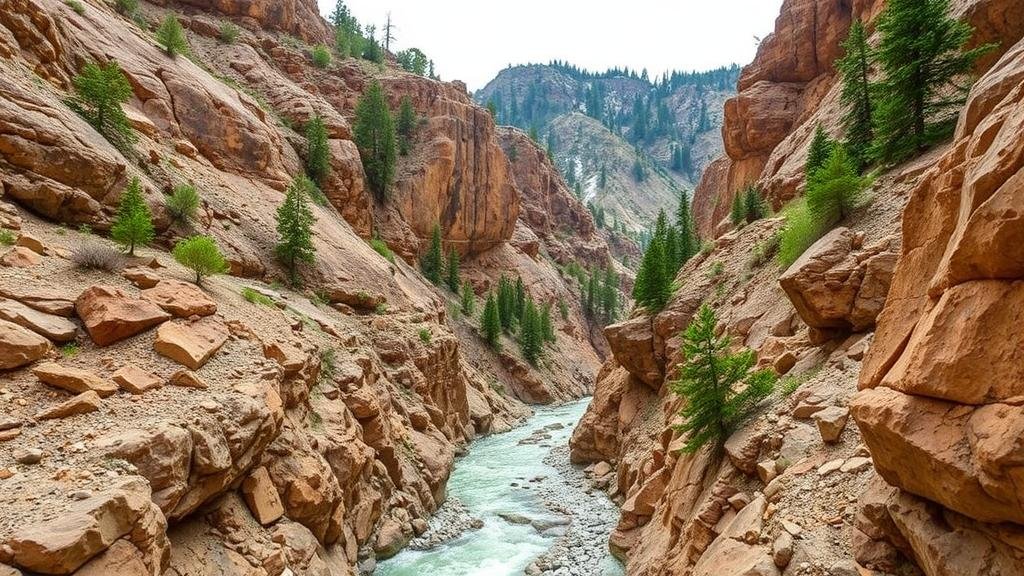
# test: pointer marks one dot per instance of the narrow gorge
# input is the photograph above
(277, 300)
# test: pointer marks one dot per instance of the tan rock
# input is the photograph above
(142, 276)
(161, 454)
(181, 299)
(262, 497)
(19, 346)
(632, 343)
(135, 380)
(782, 550)
(20, 257)
(191, 344)
(44, 300)
(31, 242)
(53, 327)
(111, 315)
(831, 421)
(187, 379)
(747, 524)
(121, 559)
(84, 403)
(390, 539)
(73, 380)
(287, 356)
(830, 467)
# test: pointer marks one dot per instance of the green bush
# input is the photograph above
(182, 204)
(328, 364)
(835, 189)
(799, 233)
(229, 33)
(381, 247)
(171, 36)
(201, 255)
(256, 297)
(100, 90)
(7, 237)
(127, 7)
(69, 350)
(321, 56)
(425, 335)
(76, 6)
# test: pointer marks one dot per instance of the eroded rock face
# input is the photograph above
(957, 281)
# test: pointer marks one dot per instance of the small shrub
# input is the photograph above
(381, 247)
(229, 33)
(171, 36)
(321, 56)
(764, 251)
(717, 269)
(800, 232)
(425, 335)
(127, 7)
(256, 297)
(7, 237)
(381, 309)
(328, 364)
(96, 256)
(182, 204)
(320, 298)
(76, 6)
(792, 382)
(706, 248)
(201, 255)
(69, 350)
(85, 229)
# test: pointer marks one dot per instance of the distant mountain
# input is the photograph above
(624, 142)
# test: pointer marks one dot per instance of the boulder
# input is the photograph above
(181, 299)
(111, 315)
(191, 344)
(632, 343)
(84, 403)
(161, 454)
(31, 242)
(831, 421)
(142, 276)
(135, 380)
(19, 346)
(54, 327)
(73, 380)
(20, 257)
(262, 497)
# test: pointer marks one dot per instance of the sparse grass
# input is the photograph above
(69, 350)
(127, 7)
(229, 33)
(381, 247)
(800, 232)
(95, 256)
(717, 269)
(792, 382)
(381, 309)
(85, 229)
(328, 364)
(320, 298)
(706, 248)
(316, 422)
(7, 237)
(425, 335)
(61, 230)
(764, 251)
(76, 6)
(256, 297)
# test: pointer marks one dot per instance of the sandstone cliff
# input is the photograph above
(925, 482)
(151, 427)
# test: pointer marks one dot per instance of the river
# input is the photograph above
(533, 504)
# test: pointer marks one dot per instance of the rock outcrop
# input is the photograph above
(940, 384)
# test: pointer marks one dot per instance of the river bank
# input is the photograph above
(517, 506)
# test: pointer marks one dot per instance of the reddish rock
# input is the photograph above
(135, 380)
(20, 257)
(632, 343)
(73, 380)
(84, 403)
(191, 344)
(19, 346)
(111, 315)
(142, 276)
(181, 299)
(262, 497)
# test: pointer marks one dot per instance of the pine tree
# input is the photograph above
(672, 250)
(610, 295)
(922, 55)
(653, 286)
(99, 93)
(818, 152)
(754, 206)
(452, 270)
(134, 223)
(171, 36)
(520, 293)
(507, 304)
(689, 242)
(592, 300)
(318, 151)
(491, 323)
(547, 329)
(531, 338)
(738, 211)
(201, 255)
(854, 66)
(406, 125)
(432, 262)
(835, 189)
(374, 134)
(295, 227)
(467, 299)
(709, 380)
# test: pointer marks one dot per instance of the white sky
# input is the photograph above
(472, 40)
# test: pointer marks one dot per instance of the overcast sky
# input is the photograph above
(472, 40)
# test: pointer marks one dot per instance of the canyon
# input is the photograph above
(254, 426)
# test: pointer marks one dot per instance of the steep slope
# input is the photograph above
(621, 124)
(924, 483)
(244, 427)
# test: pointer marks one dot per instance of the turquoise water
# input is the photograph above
(483, 480)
